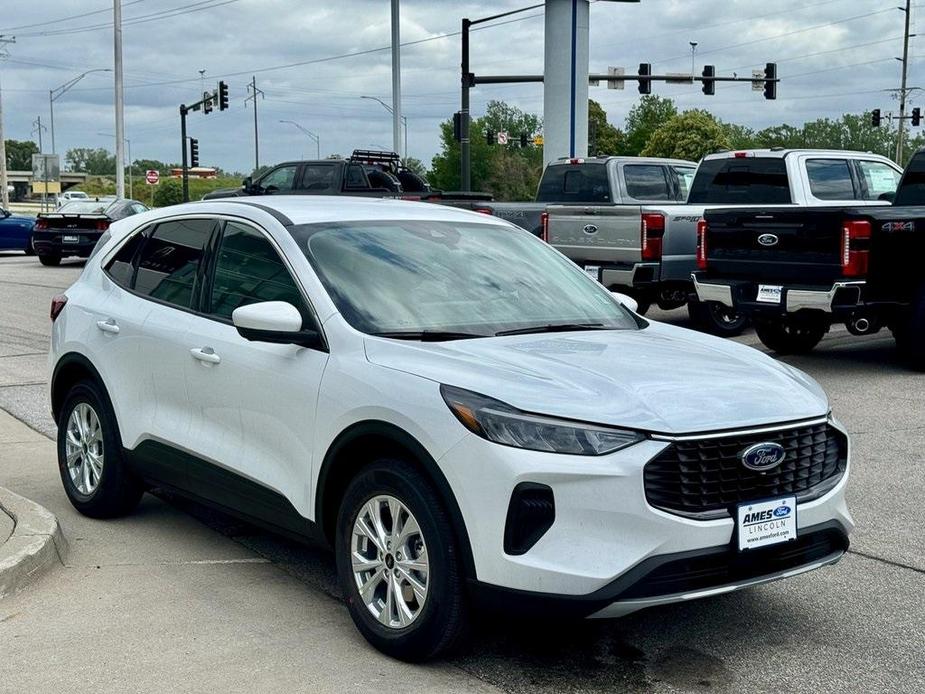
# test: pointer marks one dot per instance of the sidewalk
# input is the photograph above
(159, 602)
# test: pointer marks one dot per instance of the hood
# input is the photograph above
(659, 379)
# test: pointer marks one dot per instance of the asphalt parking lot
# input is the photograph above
(857, 626)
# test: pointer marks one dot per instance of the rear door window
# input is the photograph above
(168, 268)
(830, 179)
(741, 180)
(317, 177)
(647, 182)
(576, 183)
(877, 178)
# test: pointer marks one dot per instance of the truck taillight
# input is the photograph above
(102, 224)
(57, 305)
(702, 244)
(544, 226)
(41, 223)
(652, 230)
(855, 245)
(482, 210)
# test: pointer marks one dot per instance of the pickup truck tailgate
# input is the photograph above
(596, 234)
(801, 245)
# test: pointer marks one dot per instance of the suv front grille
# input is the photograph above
(704, 478)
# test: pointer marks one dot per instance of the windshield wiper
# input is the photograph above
(429, 335)
(553, 328)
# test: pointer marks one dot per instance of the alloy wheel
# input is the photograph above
(389, 560)
(83, 447)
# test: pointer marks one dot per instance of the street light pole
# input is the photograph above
(404, 120)
(58, 92)
(119, 97)
(309, 133)
(130, 165)
(396, 78)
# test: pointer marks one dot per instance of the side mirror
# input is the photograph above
(887, 197)
(247, 183)
(274, 321)
(627, 301)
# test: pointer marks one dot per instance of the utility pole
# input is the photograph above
(902, 86)
(4, 193)
(396, 79)
(37, 127)
(252, 93)
(119, 97)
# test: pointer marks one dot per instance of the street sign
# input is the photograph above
(46, 174)
(152, 177)
(538, 140)
(757, 80)
(616, 72)
(502, 138)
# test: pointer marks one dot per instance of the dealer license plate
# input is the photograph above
(763, 523)
(70, 239)
(594, 272)
(769, 293)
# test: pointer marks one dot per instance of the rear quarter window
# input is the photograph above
(647, 182)
(741, 180)
(830, 179)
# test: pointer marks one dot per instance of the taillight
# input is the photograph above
(102, 224)
(544, 226)
(57, 305)
(652, 230)
(482, 210)
(855, 242)
(41, 223)
(702, 244)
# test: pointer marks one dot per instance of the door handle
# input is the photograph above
(108, 326)
(206, 354)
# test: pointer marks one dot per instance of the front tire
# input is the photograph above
(716, 318)
(398, 563)
(50, 260)
(790, 337)
(93, 470)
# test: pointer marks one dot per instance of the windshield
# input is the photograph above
(467, 278)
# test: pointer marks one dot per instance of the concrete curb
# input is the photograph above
(36, 546)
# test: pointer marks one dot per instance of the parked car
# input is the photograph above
(365, 173)
(16, 232)
(797, 272)
(520, 439)
(69, 195)
(611, 182)
(74, 228)
(654, 262)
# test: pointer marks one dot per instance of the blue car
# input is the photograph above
(16, 232)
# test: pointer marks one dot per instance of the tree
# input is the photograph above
(689, 135)
(19, 154)
(644, 119)
(153, 165)
(603, 138)
(513, 176)
(96, 162)
(740, 136)
(416, 165)
(169, 192)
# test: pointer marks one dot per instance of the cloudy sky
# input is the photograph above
(834, 56)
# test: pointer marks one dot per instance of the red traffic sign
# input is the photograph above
(152, 177)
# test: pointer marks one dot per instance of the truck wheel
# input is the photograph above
(50, 260)
(716, 318)
(910, 334)
(790, 338)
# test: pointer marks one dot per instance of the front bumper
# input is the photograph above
(606, 540)
(51, 242)
(840, 297)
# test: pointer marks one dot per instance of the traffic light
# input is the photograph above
(875, 118)
(916, 116)
(193, 152)
(645, 85)
(770, 81)
(709, 84)
(523, 139)
(222, 96)
(206, 103)
(490, 137)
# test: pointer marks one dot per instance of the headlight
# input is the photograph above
(501, 423)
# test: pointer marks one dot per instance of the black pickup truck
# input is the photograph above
(797, 272)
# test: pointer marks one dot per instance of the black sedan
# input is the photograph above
(74, 228)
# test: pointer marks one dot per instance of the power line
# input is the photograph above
(67, 19)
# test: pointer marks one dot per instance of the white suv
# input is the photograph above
(459, 410)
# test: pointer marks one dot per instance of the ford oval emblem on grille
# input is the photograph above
(768, 240)
(763, 456)
(589, 228)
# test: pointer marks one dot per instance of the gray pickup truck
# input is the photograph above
(594, 181)
(649, 250)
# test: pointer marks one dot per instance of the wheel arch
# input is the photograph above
(360, 444)
(71, 368)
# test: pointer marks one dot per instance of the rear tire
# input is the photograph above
(790, 337)
(716, 318)
(50, 260)
(420, 628)
(90, 458)
(910, 334)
